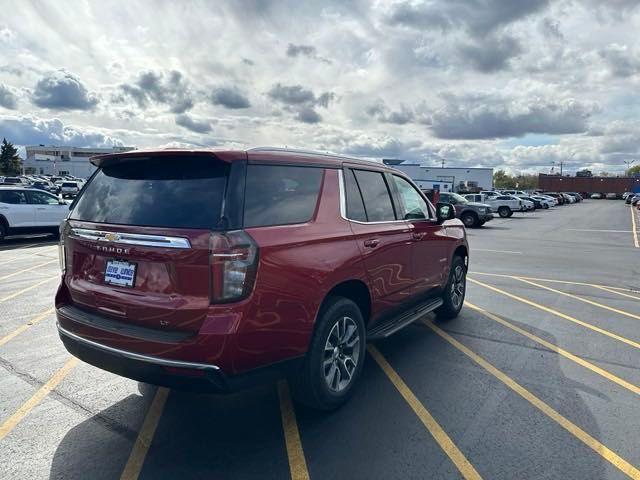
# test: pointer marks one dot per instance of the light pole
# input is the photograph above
(628, 163)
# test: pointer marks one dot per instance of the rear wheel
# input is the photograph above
(469, 219)
(3, 232)
(335, 357)
(504, 212)
(454, 291)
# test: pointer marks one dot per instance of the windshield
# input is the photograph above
(457, 198)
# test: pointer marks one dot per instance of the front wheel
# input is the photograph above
(504, 212)
(3, 232)
(335, 357)
(454, 291)
(469, 219)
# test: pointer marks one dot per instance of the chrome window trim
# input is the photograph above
(131, 238)
(343, 204)
(137, 356)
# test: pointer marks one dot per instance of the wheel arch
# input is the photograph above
(356, 291)
(4, 222)
(463, 252)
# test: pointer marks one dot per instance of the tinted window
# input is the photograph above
(13, 197)
(39, 198)
(180, 192)
(69, 184)
(415, 207)
(377, 201)
(280, 195)
(505, 198)
(355, 207)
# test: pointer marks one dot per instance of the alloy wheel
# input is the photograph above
(341, 354)
(458, 286)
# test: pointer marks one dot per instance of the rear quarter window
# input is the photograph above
(280, 195)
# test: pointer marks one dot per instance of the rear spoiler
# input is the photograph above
(115, 158)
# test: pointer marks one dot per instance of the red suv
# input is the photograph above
(218, 269)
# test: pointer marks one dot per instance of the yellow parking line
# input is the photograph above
(26, 326)
(559, 314)
(295, 453)
(565, 423)
(27, 269)
(37, 397)
(607, 289)
(567, 282)
(12, 260)
(145, 436)
(25, 290)
(440, 436)
(575, 297)
(574, 358)
(634, 229)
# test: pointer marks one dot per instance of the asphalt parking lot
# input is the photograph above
(539, 377)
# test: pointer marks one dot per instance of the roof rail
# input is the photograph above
(307, 152)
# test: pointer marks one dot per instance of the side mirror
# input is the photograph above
(444, 211)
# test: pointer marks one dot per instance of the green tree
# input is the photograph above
(9, 160)
(634, 170)
(502, 180)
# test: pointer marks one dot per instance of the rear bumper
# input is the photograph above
(145, 368)
(180, 375)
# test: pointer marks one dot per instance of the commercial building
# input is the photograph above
(446, 179)
(58, 160)
(604, 185)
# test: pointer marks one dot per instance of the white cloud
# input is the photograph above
(478, 82)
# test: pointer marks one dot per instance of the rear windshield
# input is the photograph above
(178, 192)
(69, 184)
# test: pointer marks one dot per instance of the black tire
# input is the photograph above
(510, 214)
(3, 232)
(454, 291)
(546, 206)
(505, 212)
(469, 219)
(311, 383)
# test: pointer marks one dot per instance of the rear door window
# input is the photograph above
(280, 195)
(176, 192)
(376, 196)
(13, 197)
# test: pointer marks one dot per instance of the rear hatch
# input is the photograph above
(137, 240)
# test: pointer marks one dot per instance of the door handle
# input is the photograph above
(372, 243)
(418, 235)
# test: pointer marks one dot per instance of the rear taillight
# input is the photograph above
(233, 261)
(62, 256)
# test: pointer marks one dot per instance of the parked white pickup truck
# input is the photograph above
(503, 205)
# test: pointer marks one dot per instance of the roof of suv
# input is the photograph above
(262, 154)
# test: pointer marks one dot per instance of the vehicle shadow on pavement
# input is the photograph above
(98, 447)
(198, 436)
(21, 243)
(503, 435)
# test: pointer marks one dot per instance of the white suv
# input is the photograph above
(69, 188)
(26, 210)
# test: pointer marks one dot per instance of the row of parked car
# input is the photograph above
(67, 185)
(475, 209)
(631, 198)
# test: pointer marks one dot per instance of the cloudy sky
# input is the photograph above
(516, 84)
